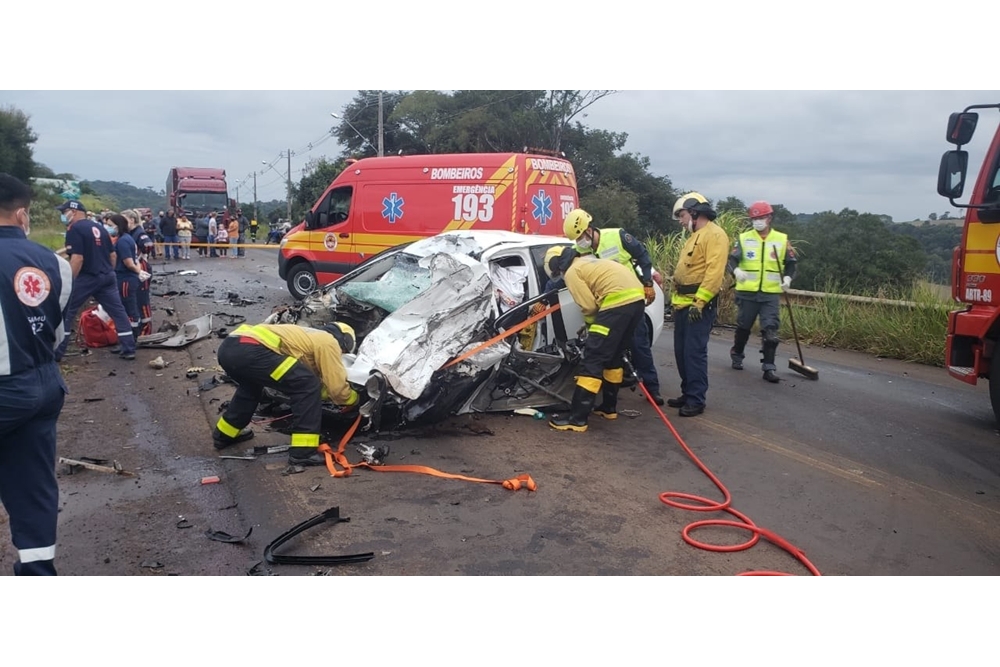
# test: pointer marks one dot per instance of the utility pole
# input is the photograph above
(289, 195)
(254, 195)
(380, 145)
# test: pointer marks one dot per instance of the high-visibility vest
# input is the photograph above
(763, 260)
(610, 247)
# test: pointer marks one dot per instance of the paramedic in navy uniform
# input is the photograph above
(35, 285)
(92, 257)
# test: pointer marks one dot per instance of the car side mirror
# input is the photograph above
(310, 219)
(951, 174)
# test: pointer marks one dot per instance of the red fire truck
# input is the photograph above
(971, 350)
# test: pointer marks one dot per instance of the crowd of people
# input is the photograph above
(212, 234)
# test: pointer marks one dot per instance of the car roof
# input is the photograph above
(485, 239)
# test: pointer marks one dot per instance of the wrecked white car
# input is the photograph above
(418, 307)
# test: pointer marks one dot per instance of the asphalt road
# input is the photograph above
(877, 468)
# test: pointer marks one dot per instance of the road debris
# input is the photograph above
(332, 515)
(151, 564)
(184, 523)
(214, 479)
(187, 272)
(263, 449)
(158, 363)
(375, 456)
(220, 536)
(292, 470)
(115, 467)
(239, 458)
(93, 400)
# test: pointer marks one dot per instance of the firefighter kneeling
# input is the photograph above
(303, 364)
(612, 301)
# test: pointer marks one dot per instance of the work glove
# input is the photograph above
(650, 293)
(740, 275)
(786, 283)
(694, 311)
(352, 401)
(144, 276)
(536, 308)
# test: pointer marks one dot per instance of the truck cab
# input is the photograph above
(971, 350)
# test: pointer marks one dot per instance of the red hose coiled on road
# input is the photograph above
(672, 498)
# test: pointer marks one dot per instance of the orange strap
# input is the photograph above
(505, 334)
(512, 484)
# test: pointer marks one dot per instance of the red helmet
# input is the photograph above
(759, 209)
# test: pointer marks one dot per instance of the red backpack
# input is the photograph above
(97, 329)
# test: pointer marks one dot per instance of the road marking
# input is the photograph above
(853, 474)
(858, 472)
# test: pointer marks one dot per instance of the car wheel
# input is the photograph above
(301, 281)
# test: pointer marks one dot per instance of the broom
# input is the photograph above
(797, 365)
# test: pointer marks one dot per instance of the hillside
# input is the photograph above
(126, 195)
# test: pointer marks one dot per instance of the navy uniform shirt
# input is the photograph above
(126, 249)
(35, 285)
(91, 240)
(143, 243)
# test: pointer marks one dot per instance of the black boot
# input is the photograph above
(220, 440)
(609, 401)
(576, 419)
(306, 456)
(771, 376)
(739, 344)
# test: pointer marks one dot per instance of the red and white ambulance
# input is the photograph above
(381, 202)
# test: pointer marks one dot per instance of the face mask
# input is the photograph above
(759, 224)
(112, 230)
(585, 243)
(63, 218)
(27, 224)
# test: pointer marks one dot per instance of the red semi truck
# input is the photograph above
(971, 348)
(199, 191)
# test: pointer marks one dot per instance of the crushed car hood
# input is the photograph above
(425, 331)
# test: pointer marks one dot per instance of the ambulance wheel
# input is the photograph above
(301, 281)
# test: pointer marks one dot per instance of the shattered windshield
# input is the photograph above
(397, 286)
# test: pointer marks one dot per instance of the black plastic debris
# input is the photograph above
(332, 515)
(151, 564)
(184, 523)
(220, 536)
(93, 400)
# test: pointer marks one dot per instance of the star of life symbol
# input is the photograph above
(32, 286)
(751, 254)
(543, 207)
(392, 207)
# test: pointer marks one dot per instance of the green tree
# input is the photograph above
(612, 205)
(856, 253)
(733, 205)
(16, 139)
(932, 216)
(318, 174)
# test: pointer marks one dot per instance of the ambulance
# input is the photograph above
(382, 202)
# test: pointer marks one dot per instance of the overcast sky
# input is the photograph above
(874, 151)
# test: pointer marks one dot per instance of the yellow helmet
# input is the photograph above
(576, 223)
(552, 253)
(692, 201)
(344, 333)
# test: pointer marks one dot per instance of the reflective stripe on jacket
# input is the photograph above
(601, 284)
(318, 350)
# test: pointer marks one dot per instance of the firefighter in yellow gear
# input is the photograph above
(701, 266)
(304, 364)
(612, 300)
